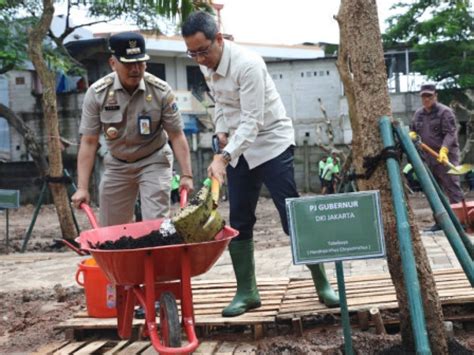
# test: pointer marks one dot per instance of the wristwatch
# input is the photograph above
(226, 156)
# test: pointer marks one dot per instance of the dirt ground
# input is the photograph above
(27, 317)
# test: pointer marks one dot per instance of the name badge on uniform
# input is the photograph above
(144, 125)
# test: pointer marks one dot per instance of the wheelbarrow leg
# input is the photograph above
(187, 309)
(125, 304)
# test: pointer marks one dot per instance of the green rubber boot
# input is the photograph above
(324, 290)
(246, 297)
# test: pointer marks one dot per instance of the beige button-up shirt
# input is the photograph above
(134, 125)
(248, 107)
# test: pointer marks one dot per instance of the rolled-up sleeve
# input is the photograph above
(90, 118)
(171, 117)
(252, 101)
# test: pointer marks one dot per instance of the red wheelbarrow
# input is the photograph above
(465, 213)
(142, 276)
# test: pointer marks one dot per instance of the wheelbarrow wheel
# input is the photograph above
(169, 321)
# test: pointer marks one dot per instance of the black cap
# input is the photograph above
(428, 89)
(128, 47)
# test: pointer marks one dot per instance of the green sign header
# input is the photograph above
(336, 227)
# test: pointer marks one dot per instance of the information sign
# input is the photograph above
(9, 198)
(336, 227)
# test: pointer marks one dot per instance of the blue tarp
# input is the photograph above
(190, 124)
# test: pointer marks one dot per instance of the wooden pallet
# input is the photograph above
(365, 292)
(209, 298)
(125, 347)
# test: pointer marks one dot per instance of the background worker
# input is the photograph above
(321, 165)
(175, 187)
(138, 114)
(435, 123)
(336, 171)
(327, 176)
(411, 177)
(257, 142)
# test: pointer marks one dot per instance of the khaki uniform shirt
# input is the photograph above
(133, 125)
(248, 107)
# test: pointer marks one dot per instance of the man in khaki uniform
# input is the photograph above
(137, 114)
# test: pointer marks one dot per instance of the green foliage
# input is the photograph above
(18, 16)
(146, 14)
(442, 33)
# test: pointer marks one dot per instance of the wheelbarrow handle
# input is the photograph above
(73, 247)
(90, 215)
(183, 198)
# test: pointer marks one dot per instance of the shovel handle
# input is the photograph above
(215, 190)
(435, 155)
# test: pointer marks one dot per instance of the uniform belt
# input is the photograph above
(141, 158)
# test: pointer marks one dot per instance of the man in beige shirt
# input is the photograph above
(257, 141)
(137, 114)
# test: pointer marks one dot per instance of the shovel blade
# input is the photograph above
(461, 169)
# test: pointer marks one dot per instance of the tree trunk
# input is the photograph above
(47, 77)
(32, 146)
(362, 69)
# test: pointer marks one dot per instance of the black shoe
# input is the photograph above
(140, 312)
(434, 228)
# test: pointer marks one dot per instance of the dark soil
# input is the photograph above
(154, 239)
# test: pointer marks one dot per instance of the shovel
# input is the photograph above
(199, 221)
(215, 222)
(454, 170)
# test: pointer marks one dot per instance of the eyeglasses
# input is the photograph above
(203, 53)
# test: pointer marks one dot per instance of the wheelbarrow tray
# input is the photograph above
(127, 267)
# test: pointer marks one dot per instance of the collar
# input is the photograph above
(434, 108)
(118, 84)
(224, 63)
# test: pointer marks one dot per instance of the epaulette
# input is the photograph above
(153, 80)
(101, 84)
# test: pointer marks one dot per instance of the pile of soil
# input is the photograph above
(153, 239)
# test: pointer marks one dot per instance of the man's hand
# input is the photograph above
(80, 196)
(443, 155)
(217, 168)
(413, 135)
(186, 182)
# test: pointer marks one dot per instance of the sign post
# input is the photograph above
(9, 199)
(336, 227)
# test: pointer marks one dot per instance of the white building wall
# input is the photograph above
(301, 84)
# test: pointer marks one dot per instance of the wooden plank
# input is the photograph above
(69, 348)
(91, 348)
(50, 348)
(120, 345)
(150, 351)
(94, 323)
(134, 348)
(226, 348)
(244, 349)
(207, 347)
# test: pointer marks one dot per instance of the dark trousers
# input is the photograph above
(244, 187)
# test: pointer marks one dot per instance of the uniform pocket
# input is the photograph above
(435, 127)
(112, 124)
(108, 117)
